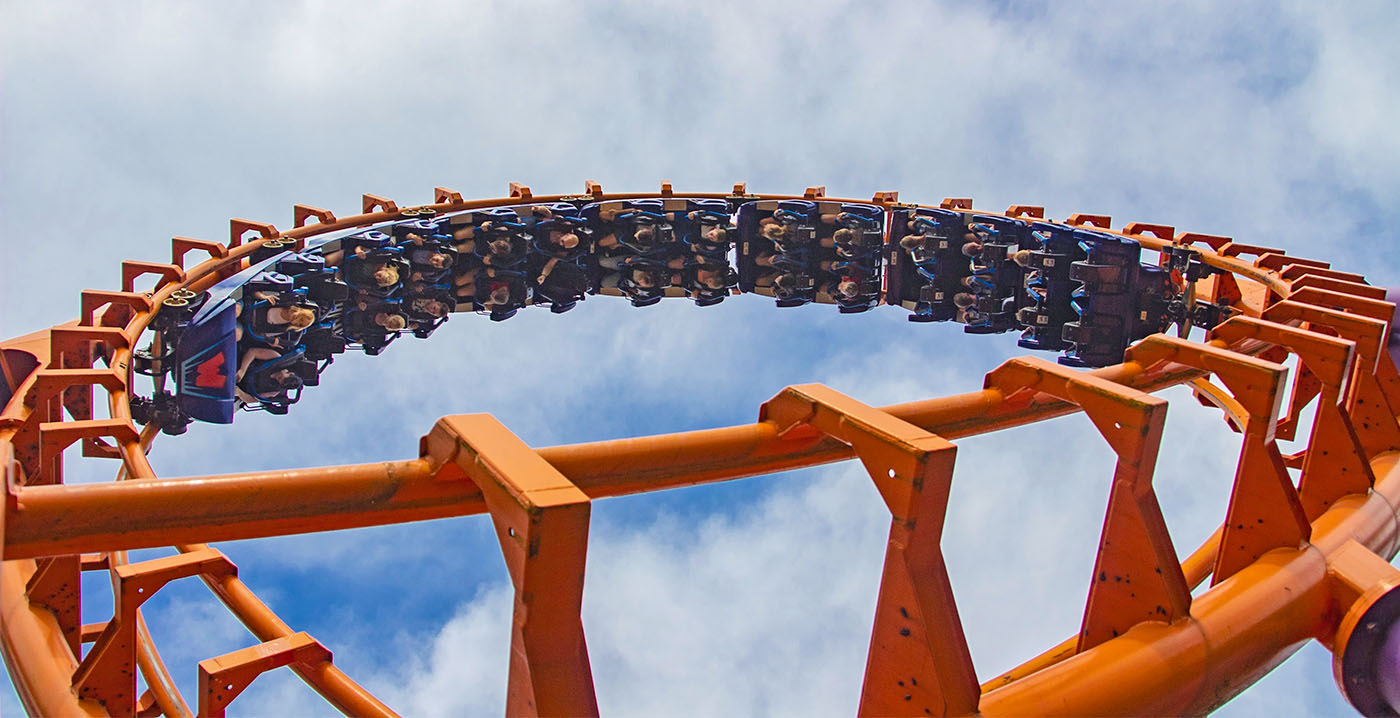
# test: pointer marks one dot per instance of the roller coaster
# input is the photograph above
(1302, 552)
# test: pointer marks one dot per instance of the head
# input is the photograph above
(440, 260)
(972, 249)
(712, 278)
(565, 240)
(392, 322)
(644, 278)
(429, 306)
(848, 288)
(386, 275)
(1022, 257)
(499, 247)
(911, 241)
(645, 235)
(285, 379)
(499, 295)
(299, 318)
(785, 281)
(844, 236)
(773, 232)
(715, 234)
(963, 300)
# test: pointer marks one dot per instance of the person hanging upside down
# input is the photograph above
(249, 387)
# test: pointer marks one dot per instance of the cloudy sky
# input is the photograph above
(124, 125)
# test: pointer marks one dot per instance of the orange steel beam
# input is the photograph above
(1264, 512)
(1137, 576)
(1239, 630)
(107, 673)
(221, 679)
(325, 678)
(1334, 465)
(150, 513)
(1372, 414)
(541, 520)
(917, 633)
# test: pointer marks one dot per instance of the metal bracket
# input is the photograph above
(1340, 286)
(54, 390)
(1334, 463)
(371, 202)
(1026, 210)
(1137, 575)
(1098, 221)
(443, 195)
(132, 269)
(1366, 397)
(541, 520)
(918, 658)
(108, 672)
(1160, 231)
(180, 246)
(57, 586)
(239, 227)
(118, 314)
(303, 212)
(1265, 512)
(221, 679)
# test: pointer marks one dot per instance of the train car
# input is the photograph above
(1066, 288)
(1118, 301)
(803, 251)
(1049, 286)
(500, 251)
(928, 264)
(650, 249)
(206, 349)
(997, 279)
(561, 241)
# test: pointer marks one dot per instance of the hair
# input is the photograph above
(773, 231)
(970, 249)
(387, 275)
(393, 322)
(912, 241)
(499, 295)
(644, 278)
(964, 300)
(421, 305)
(785, 281)
(843, 236)
(499, 246)
(562, 244)
(299, 318)
(286, 378)
(444, 260)
(1022, 257)
(644, 234)
(721, 234)
(848, 288)
(717, 279)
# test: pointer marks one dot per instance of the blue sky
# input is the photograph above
(121, 126)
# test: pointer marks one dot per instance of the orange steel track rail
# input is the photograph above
(1293, 561)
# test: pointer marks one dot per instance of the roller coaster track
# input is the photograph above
(1294, 559)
